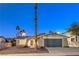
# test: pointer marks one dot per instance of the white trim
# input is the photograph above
(52, 37)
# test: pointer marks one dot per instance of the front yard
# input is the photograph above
(15, 50)
(48, 51)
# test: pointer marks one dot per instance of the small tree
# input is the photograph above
(74, 29)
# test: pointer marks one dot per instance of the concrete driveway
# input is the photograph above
(63, 51)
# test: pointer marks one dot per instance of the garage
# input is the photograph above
(53, 42)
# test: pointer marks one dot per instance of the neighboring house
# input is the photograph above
(8, 43)
(9, 39)
(2, 42)
(72, 40)
(21, 41)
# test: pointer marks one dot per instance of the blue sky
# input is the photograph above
(51, 17)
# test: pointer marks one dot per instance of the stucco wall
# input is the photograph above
(2, 42)
(65, 42)
(21, 42)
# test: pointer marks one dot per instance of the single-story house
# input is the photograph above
(51, 40)
(43, 40)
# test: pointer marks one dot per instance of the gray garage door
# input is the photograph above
(53, 42)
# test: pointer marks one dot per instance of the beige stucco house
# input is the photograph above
(51, 40)
(43, 40)
(21, 41)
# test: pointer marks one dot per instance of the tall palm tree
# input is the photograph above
(17, 27)
(35, 24)
(74, 29)
(18, 30)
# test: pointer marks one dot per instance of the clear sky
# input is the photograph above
(51, 17)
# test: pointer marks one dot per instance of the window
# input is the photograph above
(72, 39)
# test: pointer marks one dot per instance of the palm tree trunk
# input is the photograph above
(35, 25)
(76, 36)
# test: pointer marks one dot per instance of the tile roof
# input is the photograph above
(22, 37)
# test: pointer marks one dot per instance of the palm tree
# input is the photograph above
(74, 29)
(17, 27)
(18, 30)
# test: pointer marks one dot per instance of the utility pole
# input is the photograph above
(35, 24)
